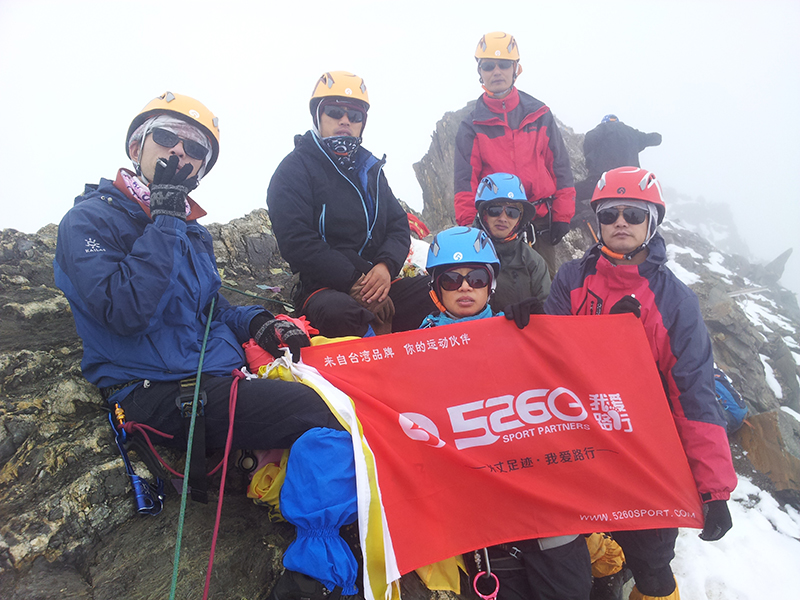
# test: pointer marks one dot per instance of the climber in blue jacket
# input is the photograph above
(142, 282)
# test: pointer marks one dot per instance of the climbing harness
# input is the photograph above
(487, 574)
(192, 406)
(543, 224)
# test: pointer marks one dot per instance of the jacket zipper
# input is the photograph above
(360, 196)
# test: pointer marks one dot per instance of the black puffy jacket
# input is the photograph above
(330, 228)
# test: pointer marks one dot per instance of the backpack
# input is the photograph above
(731, 401)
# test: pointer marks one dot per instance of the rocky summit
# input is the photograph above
(68, 526)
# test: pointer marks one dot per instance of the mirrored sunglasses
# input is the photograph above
(512, 212)
(167, 139)
(337, 112)
(451, 281)
(634, 216)
(489, 65)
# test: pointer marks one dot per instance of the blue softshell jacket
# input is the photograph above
(140, 291)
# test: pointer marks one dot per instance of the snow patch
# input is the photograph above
(791, 412)
(770, 376)
(684, 275)
(760, 316)
(791, 342)
(756, 559)
(673, 250)
(715, 260)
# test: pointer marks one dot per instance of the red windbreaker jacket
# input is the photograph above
(517, 134)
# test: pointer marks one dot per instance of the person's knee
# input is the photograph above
(335, 314)
(656, 582)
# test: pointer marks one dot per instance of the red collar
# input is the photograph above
(501, 105)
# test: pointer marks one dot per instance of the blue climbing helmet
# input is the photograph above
(609, 117)
(461, 246)
(503, 187)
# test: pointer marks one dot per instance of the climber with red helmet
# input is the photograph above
(141, 278)
(338, 224)
(510, 131)
(627, 272)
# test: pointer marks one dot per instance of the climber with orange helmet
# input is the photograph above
(510, 131)
(338, 224)
(626, 272)
(141, 278)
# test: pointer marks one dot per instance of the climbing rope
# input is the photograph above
(184, 490)
(237, 377)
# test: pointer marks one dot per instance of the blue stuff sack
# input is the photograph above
(732, 403)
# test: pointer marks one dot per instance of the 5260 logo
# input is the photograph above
(492, 418)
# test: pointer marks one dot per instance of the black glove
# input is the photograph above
(627, 304)
(558, 229)
(169, 188)
(270, 333)
(718, 520)
(521, 312)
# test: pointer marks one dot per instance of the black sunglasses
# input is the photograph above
(634, 216)
(167, 139)
(478, 278)
(512, 212)
(489, 65)
(337, 112)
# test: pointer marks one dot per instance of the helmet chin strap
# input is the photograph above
(616, 255)
(510, 237)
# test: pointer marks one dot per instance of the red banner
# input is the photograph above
(484, 433)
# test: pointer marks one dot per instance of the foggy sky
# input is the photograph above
(720, 80)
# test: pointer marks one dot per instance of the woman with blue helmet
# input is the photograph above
(463, 266)
(504, 213)
(464, 270)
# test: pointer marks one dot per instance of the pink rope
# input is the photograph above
(237, 376)
(136, 427)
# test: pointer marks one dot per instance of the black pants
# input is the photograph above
(336, 314)
(648, 553)
(562, 573)
(269, 413)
